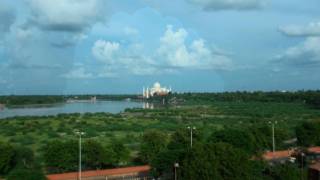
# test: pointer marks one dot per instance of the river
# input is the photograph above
(74, 107)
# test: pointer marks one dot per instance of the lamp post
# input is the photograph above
(273, 140)
(79, 133)
(191, 133)
(176, 165)
(302, 155)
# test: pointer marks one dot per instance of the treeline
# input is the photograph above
(309, 97)
(30, 99)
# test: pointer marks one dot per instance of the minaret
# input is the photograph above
(147, 95)
(143, 93)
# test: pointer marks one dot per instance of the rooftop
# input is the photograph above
(99, 173)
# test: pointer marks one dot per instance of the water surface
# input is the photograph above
(75, 107)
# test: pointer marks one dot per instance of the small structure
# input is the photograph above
(279, 156)
(2, 106)
(127, 173)
(313, 154)
(156, 90)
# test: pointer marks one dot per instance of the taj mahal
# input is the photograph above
(156, 90)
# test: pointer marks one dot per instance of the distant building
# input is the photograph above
(156, 90)
(2, 106)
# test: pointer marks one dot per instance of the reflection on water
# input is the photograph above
(75, 107)
(147, 105)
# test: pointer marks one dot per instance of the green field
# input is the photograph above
(128, 127)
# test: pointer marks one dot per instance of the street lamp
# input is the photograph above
(302, 155)
(79, 133)
(191, 133)
(273, 140)
(176, 165)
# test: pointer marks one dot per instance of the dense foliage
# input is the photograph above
(19, 163)
(225, 123)
(6, 157)
(308, 133)
(63, 156)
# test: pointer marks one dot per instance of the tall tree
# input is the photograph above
(6, 157)
(153, 142)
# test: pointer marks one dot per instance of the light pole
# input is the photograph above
(302, 155)
(273, 140)
(191, 133)
(176, 165)
(79, 133)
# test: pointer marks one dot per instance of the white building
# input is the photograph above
(156, 90)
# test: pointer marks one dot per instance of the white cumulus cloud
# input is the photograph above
(105, 51)
(172, 53)
(304, 54)
(312, 29)
(175, 51)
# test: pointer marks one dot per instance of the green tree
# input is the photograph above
(95, 156)
(175, 152)
(215, 161)
(153, 142)
(238, 138)
(308, 133)
(61, 156)
(24, 157)
(284, 172)
(120, 151)
(6, 157)
(26, 174)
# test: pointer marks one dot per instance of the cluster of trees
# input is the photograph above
(309, 97)
(18, 163)
(94, 155)
(31, 99)
(308, 133)
(224, 154)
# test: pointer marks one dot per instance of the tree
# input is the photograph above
(61, 156)
(215, 160)
(26, 174)
(153, 142)
(284, 172)
(175, 152)
(6, 158)
(308, 133)
(95, 156)
(238, 138)
(121, 153)
(24, 157)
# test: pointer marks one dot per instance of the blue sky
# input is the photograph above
(119, 46)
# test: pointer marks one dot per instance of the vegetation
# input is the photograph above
(230, 128)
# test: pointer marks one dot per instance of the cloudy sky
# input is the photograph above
(119, 46)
